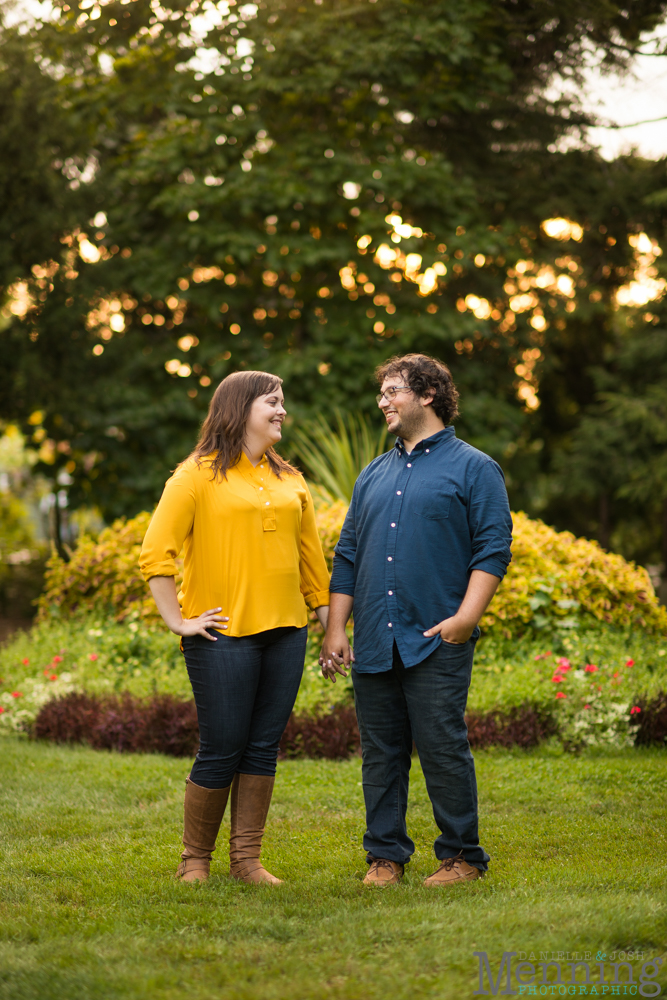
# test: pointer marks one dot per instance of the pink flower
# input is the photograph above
(93, 657)
(564, 663)
(635, 710)
(556, 679)
(25, 662)
(629, 663)
(17, 694)
(590, 668)
(57, 659)
(561, 694)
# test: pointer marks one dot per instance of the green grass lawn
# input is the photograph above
(90, 910)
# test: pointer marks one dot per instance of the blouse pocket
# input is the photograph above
(433, 501)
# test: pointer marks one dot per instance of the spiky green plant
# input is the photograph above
(334, 457)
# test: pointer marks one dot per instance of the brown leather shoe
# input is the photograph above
(251, 798)
(203, 812)
(383, 872)
(453, 870)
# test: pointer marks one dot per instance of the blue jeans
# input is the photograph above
(244, 689)
(425, 703)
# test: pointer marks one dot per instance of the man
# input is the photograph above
(423, 548)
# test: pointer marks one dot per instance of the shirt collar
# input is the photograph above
(432, 442)
(246, 465)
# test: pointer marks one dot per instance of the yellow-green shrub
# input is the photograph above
(103, 574)
(554, 579)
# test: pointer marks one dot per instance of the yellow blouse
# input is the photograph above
(249, 543)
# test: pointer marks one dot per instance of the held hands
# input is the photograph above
(336, 655)
(453, 630)
(198, 626)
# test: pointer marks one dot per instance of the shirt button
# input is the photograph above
(267, 503)
(398, 493)
(409, 465)
(427, 450)
(389, 625)
(261, 488)
(393, 524)
(389, 559)
(391, 593)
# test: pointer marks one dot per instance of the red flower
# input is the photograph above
(53, 677)
(543, 656)
(561, 694)
(1, 710)
(590, 668)
(616, 674)
(46, 672)
(57, 659)
(629, 663)
(556, 679)
(635, 710)
(93, 657)
(587, 706)
(25, 662)
(564, 663)
(17, 694)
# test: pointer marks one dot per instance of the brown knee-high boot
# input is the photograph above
(204, 809)
(251, 798)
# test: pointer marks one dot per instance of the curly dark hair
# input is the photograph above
(424, 374)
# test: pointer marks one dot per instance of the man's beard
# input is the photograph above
(410, 423)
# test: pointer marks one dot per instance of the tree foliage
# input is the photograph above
(236, 170)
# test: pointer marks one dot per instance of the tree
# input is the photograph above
(310, 189)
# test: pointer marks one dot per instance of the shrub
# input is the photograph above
(555, 581)
(525, 726)
(161, 724)
(334, 736)
(651, 720)
(103, 574)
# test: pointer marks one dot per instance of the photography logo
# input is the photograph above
(568, 974)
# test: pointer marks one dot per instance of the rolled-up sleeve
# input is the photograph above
(170, 525)
(313, 568)
(342, 577)
(490, 521)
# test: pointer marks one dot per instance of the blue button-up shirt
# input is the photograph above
(417, 526)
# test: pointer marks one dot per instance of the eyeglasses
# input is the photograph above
(391, 393)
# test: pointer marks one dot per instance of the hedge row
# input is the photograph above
(164, 724)
(555, 580)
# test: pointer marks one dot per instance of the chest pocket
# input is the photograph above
(433, 501)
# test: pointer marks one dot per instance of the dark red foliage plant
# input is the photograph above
(651, 721)
(164, 724)
(161, 724)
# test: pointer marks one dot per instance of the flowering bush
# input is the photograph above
(20, 707)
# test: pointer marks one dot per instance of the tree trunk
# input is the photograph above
(604, 515)
(58, 531)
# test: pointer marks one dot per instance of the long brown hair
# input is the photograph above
(223, 432)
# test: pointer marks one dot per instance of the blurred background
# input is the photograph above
(309, 187)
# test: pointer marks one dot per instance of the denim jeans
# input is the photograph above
(425, 703)
(244, 691)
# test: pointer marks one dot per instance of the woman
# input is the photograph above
(252, 562)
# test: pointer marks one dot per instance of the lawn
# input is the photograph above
(90, 910)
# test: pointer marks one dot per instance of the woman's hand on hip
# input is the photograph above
(198, 626)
